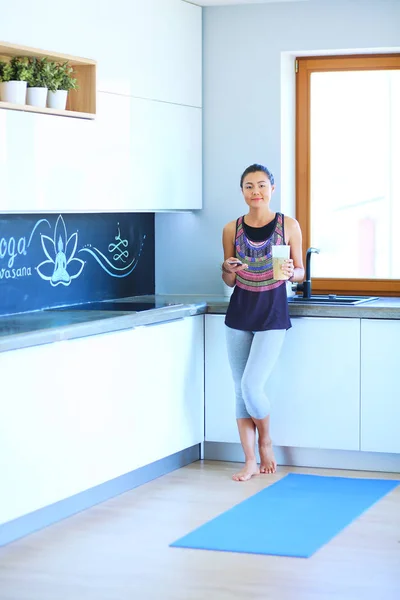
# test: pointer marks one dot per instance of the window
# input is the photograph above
(348, 171)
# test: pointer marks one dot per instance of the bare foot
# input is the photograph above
(250, 468)
(268, 462)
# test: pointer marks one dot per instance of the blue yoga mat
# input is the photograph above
(293, 517)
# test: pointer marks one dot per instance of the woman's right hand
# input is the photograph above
(232, 265)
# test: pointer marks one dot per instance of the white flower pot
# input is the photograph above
(13, 91)
(36, 96)
(57, 100)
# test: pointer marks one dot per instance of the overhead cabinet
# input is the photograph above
(137, 145)
(166, 160)
(138, 155)
(154, 51)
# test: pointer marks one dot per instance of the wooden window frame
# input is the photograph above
(306, 66)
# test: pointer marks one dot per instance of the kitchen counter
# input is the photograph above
(43, 327)
(384, 308)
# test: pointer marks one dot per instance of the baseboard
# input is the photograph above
(63, 509)
(311, 457)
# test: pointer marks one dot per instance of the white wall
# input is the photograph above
(148, 54)
(248, 103)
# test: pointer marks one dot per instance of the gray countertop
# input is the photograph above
(43, 327)
(383, 308)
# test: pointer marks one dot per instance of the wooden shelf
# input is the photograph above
(47, 111)
(81, 103)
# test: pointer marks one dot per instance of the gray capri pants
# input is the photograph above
(252, 356)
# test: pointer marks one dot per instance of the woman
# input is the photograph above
(257, 317)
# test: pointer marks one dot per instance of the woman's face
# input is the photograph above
(257, 189)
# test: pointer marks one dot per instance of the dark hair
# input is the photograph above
(254, 169)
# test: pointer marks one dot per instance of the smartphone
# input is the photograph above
(235, 263)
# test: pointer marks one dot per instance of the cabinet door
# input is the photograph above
(67, 414)
(137, 155)
(171, 66)
(314, 388)
(380, 396)
(219, 390)
(77, 413)
(144, 48)
(153, 50)
(169, 44)
(16, 164)
(168, 388)
(92, 156)
(166, 158)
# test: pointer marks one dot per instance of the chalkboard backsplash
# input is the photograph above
(55, 260)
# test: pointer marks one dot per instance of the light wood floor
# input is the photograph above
(119, 550)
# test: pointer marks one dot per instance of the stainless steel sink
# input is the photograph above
(332, 299)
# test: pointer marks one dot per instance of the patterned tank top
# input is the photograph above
(259, 302)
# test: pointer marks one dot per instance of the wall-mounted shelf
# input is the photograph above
(47, 111)
(81, 103)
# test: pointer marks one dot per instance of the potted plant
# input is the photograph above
(40, 76)
(13, 77)
(62, 81)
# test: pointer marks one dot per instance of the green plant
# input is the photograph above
(52, 76)
(41, 72)
(4, 68)
(63, 78)
(18, 69)
(67, 79)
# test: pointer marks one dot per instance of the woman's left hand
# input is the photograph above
(288, 267)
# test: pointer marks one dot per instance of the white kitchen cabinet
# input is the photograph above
(166, 156)
(77, 413)
(137, 155)
(169, 44)
(69, 165)
(380, 395)
(220, 423)
(314, 388)
(169, 387)
(143, 152)
(143, 48)
(154, 51)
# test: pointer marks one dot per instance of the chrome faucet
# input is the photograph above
(305, 287)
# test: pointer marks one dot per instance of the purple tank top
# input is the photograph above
(259, 302)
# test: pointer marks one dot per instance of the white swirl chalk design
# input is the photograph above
(119, 253)
(108, 267)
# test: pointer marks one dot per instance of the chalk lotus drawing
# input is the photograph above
(61, 266)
